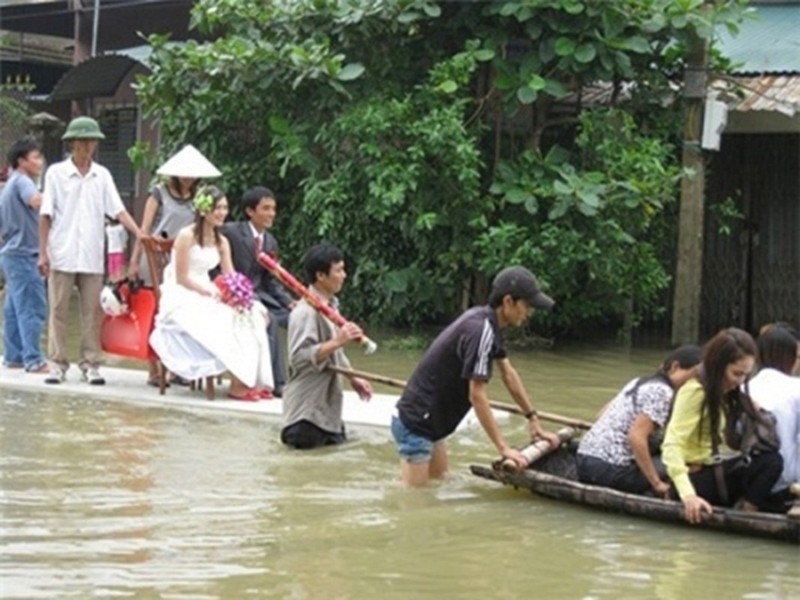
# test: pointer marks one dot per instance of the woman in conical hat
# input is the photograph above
(169, 207)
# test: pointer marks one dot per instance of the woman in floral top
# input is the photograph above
(615, 452)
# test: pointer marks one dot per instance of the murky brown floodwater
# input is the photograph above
(105, 500)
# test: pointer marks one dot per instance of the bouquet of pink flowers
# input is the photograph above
(236, 290)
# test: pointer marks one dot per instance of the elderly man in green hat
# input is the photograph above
(78, 195)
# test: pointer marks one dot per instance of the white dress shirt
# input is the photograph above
(779, 393)
(77, 206)
(258, 238)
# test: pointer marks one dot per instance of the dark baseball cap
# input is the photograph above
(520, 283)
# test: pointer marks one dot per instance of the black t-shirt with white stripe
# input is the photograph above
(437, 395)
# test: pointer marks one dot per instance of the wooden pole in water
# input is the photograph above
(509, 408)
(689, 268)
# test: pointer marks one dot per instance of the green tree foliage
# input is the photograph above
(588, 221)
(436, 142)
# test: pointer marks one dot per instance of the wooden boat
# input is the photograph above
(555, 476)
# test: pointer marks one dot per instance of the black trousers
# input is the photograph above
(277, 318)
(780, 502)
(304, 435)
(751, 480)
(627, 478)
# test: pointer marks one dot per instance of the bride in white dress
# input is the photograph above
(196, 335)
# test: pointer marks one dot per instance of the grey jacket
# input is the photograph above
(313, 393)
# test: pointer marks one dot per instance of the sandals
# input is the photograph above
(248, 396)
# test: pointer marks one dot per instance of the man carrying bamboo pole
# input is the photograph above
(453, 375)
(312, 402)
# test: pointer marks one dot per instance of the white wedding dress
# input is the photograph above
(198, 336)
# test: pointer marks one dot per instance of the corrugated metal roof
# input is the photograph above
(768, 44)
(101, 75)
(771, 93)
(98, 76)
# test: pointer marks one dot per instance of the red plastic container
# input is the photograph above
(128, 334)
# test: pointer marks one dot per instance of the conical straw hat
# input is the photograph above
(189, 162)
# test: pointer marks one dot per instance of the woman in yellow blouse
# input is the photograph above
(698, 424)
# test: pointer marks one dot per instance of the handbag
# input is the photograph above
(758, 432)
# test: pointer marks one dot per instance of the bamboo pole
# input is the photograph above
(536, 450)
(291, 283)
(509, 408)
(545, 416)
(391, 382)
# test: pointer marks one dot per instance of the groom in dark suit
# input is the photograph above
(246, 238)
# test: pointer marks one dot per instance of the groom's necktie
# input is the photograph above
(258, 244)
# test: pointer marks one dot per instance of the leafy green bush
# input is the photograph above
(585, 220)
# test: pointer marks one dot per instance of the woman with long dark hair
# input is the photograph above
(197, 335)
(706, 410)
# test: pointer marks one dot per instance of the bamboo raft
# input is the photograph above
(555, 476)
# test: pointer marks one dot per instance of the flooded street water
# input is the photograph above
(107, 500)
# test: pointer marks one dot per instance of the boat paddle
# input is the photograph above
(502, 406)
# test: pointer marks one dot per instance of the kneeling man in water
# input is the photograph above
(312, 402)
(453, 375)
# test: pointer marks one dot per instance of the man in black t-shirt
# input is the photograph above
(453, 375)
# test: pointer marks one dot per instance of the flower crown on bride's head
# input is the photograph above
(203, 201)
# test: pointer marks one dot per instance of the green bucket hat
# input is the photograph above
(83, 128)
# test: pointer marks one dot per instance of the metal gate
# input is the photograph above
(751, 275)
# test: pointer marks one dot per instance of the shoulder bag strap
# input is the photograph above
(719, 470)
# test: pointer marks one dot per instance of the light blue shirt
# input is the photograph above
(19, 223)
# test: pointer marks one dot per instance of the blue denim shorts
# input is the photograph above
(411, 446)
